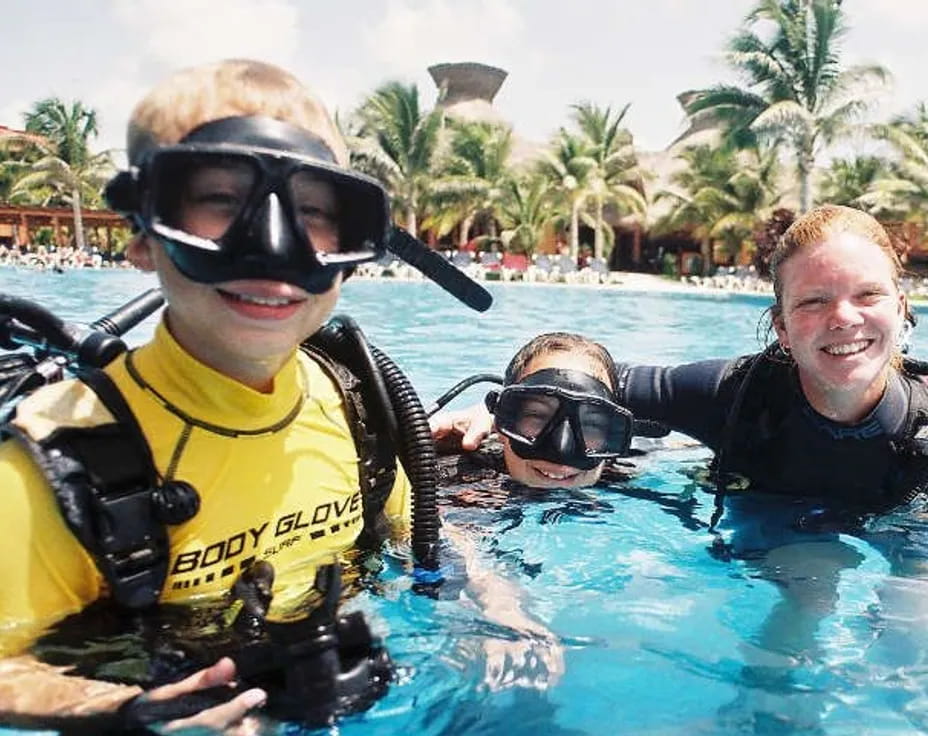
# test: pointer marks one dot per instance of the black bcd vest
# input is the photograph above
(753, 419)
(112, 499)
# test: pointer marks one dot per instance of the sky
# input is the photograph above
(107, 53)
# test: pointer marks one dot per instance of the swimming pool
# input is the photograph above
(660, 635)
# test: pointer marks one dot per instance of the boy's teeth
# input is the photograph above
(267, 301)
(847, 348)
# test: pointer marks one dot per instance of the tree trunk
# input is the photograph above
(575, 230)
(706, 250)
(806, 162)
(78, 219)
(465, 231)
(411, 223)
(599, 238)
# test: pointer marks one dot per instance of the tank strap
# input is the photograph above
(109, 493)
(749, 378)
(376, 455)
(912, 451)
(104, 481)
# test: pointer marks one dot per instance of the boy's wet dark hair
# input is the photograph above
(560, 342)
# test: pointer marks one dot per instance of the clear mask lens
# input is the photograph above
(205, 195)
(529, 414)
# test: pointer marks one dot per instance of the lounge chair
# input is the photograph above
(565, 269)
(540, 268)
(514, 266)
(462, 258)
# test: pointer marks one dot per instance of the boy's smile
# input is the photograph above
(262, 300)
(246, 329)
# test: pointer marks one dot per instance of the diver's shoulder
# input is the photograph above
(68, 403)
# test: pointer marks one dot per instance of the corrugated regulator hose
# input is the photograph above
(417, 453)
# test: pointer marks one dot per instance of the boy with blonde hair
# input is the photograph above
(245, 209)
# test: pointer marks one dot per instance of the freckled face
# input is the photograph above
(541, 473)
(841, 313)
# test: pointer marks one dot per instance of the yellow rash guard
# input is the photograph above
(289, 495)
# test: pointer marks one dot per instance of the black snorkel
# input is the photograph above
(265, 240)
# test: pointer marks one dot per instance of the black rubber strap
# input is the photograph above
(135, 717)
(104, 387)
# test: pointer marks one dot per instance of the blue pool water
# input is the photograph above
(820, 635)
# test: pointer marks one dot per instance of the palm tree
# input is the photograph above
(12, 167)
(798, 94)
(846, 180)
(615, 178)
(525, 212)
(720, 195)
(568, 165)
(397, 142)
(471, 177)
(902, 192)
(65, 170)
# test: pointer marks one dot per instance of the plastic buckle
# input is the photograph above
(132, 551)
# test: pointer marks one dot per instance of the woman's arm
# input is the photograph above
(534, 658)
(692, 398)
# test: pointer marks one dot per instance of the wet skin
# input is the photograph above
(541, 473)
(842, 311)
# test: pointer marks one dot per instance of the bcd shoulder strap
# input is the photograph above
(109, 493)
(746, 382)
(106, 486)
(912, 451)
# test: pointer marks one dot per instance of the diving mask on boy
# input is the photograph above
(562, 416)
(255, 198)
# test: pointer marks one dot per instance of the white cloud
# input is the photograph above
(176, 34)
(113, 98)
(172, 34)
(414, 34)
(904, 14)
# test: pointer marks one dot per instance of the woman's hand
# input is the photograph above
(463, 428)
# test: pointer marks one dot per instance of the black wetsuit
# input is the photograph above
(777, 440)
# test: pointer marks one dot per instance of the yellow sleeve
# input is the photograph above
(45, 571)
(399, 504)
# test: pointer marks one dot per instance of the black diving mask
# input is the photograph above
(255, 198)
(562, 416)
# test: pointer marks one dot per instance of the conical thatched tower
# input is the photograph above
(466, 91)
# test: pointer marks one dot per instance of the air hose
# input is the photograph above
(404, 420)
(417, 453)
